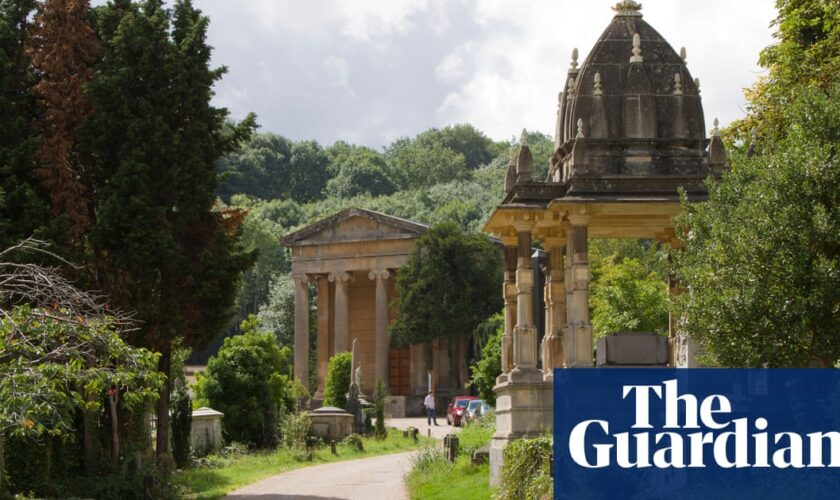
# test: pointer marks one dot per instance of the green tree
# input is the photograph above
(337, 383)
(23, 206)
(489, 365)
(628, 297)
(159, 247)
(249, 381)
(448, 287)
(417, 164)
(761, 263)
(181, 426)
(361, 170)
(476, 148)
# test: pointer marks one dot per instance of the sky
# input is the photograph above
(371, 71)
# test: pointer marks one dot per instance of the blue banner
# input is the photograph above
(696, 433)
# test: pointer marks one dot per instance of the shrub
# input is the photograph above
(249, 381)
(526, 466)
(489, 366)
(354, 442)
(427, 458)
(338, 380)
(296, 431)
(476, 434)
(379, 396)
(181, 426)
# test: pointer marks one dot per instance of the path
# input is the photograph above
(420, 423)
(367, 478)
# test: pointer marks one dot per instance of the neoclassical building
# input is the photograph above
(352, 260)
(630, 135)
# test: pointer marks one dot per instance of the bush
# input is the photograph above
(249, 381)
(526, 472)
(181, 426)
(489, 366)
(476, 434)
(379, 396)
(427, 458)
(338, 380)
(354, 442)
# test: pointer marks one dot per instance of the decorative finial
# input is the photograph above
(598, 89)
(628, 8)
(570, 92)
(697, 84)
(579, 129)
(716, 129)
(683, 55)
(637, 49)
(523, 139)
(677, 84)
(574, 63)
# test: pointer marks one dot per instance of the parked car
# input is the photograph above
(477, 409)
(457, 409)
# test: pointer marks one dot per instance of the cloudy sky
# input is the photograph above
(370, 71)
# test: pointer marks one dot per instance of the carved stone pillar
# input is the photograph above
(509, 293)
(555, 299)
(578, 336)
(381, 321)
(323, 343)
(302, 328)
(524, 334)
(342, 281)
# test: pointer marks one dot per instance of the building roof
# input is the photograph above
(406, 226)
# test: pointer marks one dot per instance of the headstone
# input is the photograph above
(354, 403)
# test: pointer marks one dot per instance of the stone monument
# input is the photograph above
(354, 400)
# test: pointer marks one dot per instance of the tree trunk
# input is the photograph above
(162, 439)
(2, 461)
(113, 398)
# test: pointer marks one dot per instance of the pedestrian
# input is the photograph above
(429, 403)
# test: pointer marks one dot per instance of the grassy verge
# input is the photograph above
(432, 477)
(221, 475)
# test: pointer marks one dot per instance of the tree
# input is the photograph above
(416, 164)
(63, 48)
(761, 263)
(627, 297)
(338, 379)
(249, 381)
(448, 287)
(23, 206)
(489, 365)
(159, 247)
(181, 426)
(476, 148)
(362, 170)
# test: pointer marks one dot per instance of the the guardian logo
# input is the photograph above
(696, 434)
(667, 448)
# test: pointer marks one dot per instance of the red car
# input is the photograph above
(457, 410)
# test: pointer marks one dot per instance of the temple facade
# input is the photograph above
(352, 259)
(630, 135)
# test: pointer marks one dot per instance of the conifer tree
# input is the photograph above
(63, 48)
(22, 206)
(160, 247)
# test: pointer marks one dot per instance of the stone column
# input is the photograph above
(381, 342)
(555, 300)
(323, 342)
(302, 328)
(342, 280)
(524, 334)
(578, 336)
(509, 293)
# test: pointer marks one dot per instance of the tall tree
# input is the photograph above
(63, 48)
(160, 248)
(23, 208)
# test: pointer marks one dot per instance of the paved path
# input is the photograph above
(364, 479)
(420, 423)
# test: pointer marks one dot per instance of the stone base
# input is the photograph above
(396, 407)
(524, 408)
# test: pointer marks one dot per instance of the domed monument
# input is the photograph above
(630, 136)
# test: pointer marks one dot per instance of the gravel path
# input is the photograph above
(367, 478)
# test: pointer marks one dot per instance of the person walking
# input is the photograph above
(429, 403)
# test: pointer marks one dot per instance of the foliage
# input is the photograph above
(526, 471)
(807, 55)
(181, 426)
(338, 380)
(476, 434)
(433, 478)
(489, 365)
(361, 171)
(448, 287)
(296, 432)
(354, 442)
(379, 395)
(63, 48)
(23, 205)
(761, 263)
(416, 164)
(248, 381)
(627, 297)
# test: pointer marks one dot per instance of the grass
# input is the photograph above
(432, 477)
(222, 475)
